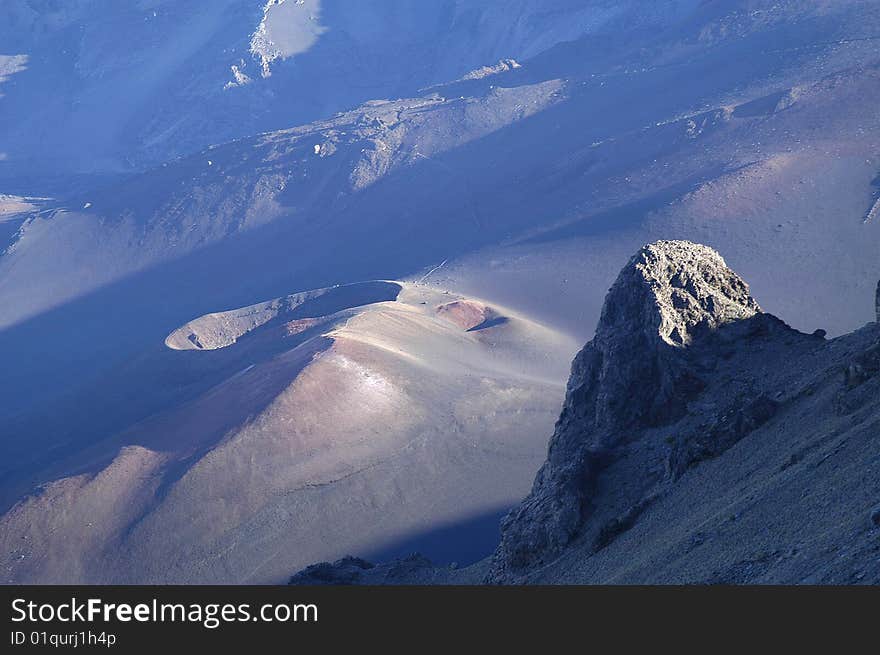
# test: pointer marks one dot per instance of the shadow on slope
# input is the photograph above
(464, 542)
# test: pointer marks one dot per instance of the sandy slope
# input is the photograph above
(794, 502)
(749, 125)
(377, 422)
(530, 183)
(789, 209)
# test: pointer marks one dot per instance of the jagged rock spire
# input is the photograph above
(634, 373)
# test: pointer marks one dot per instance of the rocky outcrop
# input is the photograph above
(414, 569)
(637, 373)
(346, 571)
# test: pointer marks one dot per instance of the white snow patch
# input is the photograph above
(10, 65)
(288, 28)
(874, 213)
(239, 77)
(485, 71)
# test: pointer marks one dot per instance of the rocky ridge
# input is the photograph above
(636, 372)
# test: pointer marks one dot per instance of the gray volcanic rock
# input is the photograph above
(635, 373)
(414, 569)
(346, 571)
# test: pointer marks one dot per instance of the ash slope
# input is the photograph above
(749, 125)
(344, 419)
(701, 441)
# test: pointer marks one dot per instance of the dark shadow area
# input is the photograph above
(162, 386)
(347, 296)
(490, 323)
(759, 107)
(8, 230)
(463, 543)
